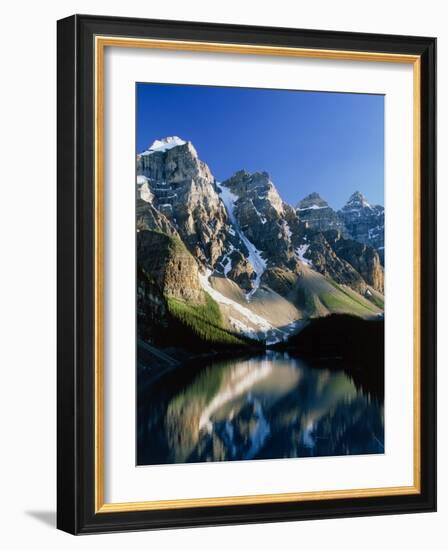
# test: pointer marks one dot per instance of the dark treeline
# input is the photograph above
(344, 342)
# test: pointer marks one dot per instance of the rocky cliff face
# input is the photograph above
(263, 216)
(357, 220)
(364, 223)
(318, 215)
(240, 243)
(345, 261)
(149, 218)
(170, 266)
(325, 260)
(363, 258)
(181, 187)
(151, 307)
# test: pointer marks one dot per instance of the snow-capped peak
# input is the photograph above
(164, 144)
(141, 179)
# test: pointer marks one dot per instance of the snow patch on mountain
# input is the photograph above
(301, 251)
(262, 218)
(239, 326)
(258, 263)
(265, 330)
(287, 229)
(312, 207)
(163, 145)
(261, 322)
(226, 262)
(144, 189)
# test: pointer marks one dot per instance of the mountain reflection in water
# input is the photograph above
(267, 406)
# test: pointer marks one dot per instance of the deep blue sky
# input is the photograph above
(332, 143)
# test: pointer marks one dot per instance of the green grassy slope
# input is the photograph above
(168, 316)
(201, 323)
(318, 296)
(376, 298)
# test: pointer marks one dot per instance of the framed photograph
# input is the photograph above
(246, 267)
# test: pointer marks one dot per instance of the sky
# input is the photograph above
(330, 143)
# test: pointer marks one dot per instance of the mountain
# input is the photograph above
(262, 216)
(362, 257)
(317, 214)
(178, 195)
(357, 220)
(346, 261)
(181, 187)
(221, 262)
(171, 299)
(364, 223)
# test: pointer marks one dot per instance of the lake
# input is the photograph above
(267, 406)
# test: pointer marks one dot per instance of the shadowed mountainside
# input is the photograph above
(346, 342)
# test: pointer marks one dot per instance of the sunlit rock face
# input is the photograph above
(249, 250)
(181, 187)
(326, 261)
(170, 265)
(265, 219)
(345, 261)
(364, 258)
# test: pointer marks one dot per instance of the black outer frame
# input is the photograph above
(75, 310)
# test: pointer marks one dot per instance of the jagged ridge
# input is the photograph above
(240, 232)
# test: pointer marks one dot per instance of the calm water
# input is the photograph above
(268, 406)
